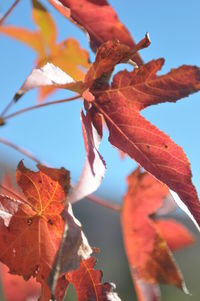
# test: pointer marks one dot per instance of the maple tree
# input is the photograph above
(41, 240)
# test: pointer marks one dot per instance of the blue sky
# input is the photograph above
(54, 133)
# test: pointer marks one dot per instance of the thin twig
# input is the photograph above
(40, 106)
(8, 106)
(9, 11)
(101, 202)
(20, 149)
(104, 203)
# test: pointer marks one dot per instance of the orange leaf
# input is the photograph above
(29, 244)
(133, 134)
(149, 257)
(16, 288)
(71, 58)
(87, 283)
(98, 19)
(67, 55)
(176, 235)
(31, 253)
(45, 24)
(109, 55)
(30, 38)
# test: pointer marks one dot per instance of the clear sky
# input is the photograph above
(54, 133)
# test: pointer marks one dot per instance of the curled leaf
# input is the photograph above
(74, 247)
(129, 131)
(146, 244)
(94, 166)
(48, 76)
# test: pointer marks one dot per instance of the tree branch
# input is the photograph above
(40, 106)
(9, 11)
(104, 203)
(20, 149)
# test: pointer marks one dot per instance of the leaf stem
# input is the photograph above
(9, 11)
(9, 105)
(104, 203)
(20, 149)
(40, 106)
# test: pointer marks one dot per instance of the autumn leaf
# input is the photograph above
(16, 288)
(146, 244)
(98, 19)
(87, 283)
(146, 291)
(176, 235)
(73, 247)
(108, 56)
(94, 166)
(28, 246)
(167, 207)
(60, 291)
(67, 55)
(7, 182)
(30, 38)
(49, 76)
(130, 132)
(45, 24)
(71, 58)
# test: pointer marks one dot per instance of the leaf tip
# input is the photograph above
(20, 165)
(2, 121)
(185, 289)
(147, 36)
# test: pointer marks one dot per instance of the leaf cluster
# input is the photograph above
(40, 237)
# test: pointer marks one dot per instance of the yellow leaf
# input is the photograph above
(72, 59)
(45, 23)
(30, 38)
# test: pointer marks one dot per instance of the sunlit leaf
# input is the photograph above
(147, 247)
(98, 19)
(129, 131)
(38, 226)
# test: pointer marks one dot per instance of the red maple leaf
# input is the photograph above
(87, 283)
(120, 104)
(98, 19)
(146, 245)
(30, 241)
